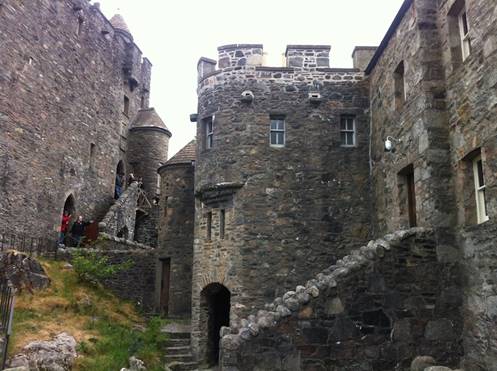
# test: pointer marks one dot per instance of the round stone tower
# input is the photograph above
(177, 208)
(148, 142)
(281, 187)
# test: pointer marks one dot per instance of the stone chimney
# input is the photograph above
(362, 56)
(307, 56)
(235, 55)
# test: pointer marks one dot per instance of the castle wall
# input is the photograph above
(60, 91)
(177, 210)
(288, 211)
(471, 91)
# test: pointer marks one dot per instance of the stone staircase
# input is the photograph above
(178, 354)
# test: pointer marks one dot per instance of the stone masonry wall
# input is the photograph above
(176, 233)
(283, 207)
(375, 309)
(135, 284)
(471, 91)
(419, 125)
(60, 91)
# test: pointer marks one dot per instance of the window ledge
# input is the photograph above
(277, 146)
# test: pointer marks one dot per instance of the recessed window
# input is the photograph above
(462, 20)
(479, 180)
(92, 156)
(222, 217)
(209, 225)
(277, 131)
(400, 90)
(142, 102)
(208, 132)
(347, 131)
(126, 106)
(80, 26)
(165, 205)
(459, 27)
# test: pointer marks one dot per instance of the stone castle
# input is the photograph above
(322, 219)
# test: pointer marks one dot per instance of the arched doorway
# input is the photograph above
(215, 310)
(120, 180)
(67, 214)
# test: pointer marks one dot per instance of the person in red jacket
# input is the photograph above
(64, 226)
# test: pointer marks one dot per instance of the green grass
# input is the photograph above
(108, 330)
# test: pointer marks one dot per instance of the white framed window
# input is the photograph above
(347, 131)
(462, 20)
(481, 207)
(209, 132)
(277, 131)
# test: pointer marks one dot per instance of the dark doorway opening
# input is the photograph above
(69, 206)
(164, 285)
(120, 180)
(215, 302)
(407, 195)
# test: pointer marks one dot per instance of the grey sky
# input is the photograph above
(175, 34)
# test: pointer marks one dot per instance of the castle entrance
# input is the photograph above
(215, 313)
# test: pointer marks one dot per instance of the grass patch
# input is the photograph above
(108, 330)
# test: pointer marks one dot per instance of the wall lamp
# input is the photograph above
(390, 144)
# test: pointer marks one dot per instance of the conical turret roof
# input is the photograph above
(148, 119)
(118, 22)
(185, 155)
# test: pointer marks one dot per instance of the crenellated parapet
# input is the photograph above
(305, 65)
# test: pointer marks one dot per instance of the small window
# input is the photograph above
(277, 131)
(165, 205)
(126, 106)
(142, 102)
(464, 33)
(208, 124)
(92, 156)
(347, 131)
(481, 207)
(209, 225)
(400, 91)
(80, 26)
(222, 217)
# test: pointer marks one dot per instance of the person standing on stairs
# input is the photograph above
(78, 230)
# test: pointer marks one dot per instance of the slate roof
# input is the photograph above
(185, 155)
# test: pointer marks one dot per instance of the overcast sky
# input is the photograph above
(175, 34)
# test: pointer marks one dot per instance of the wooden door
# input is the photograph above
(411, 199)
(165, 282)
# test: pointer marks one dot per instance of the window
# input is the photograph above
(277, 131)
(399, 88)
(347, 131)
(165, 205)
(92, 156)
(80, 26)
(481, 207)
(142, 102)
(462, 20)
(209, 225)
(222, 217)
(459, 41)
(126, 106)
(208, 132)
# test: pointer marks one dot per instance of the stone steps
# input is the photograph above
(178, 355)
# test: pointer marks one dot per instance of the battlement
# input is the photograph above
(299, 59)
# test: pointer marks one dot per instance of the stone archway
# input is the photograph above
(69, 205)
(214, 314)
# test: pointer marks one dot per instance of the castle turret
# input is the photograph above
(119, 24)
(148, 142)
(177, 208)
